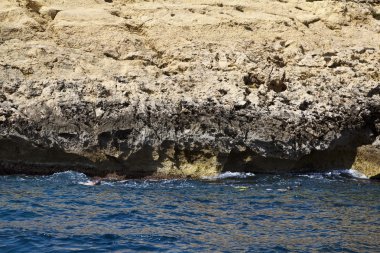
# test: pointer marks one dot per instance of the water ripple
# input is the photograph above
(318, 212)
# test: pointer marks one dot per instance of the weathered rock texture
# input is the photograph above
(188, 88)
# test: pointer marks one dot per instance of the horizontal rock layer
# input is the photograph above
(189, 88)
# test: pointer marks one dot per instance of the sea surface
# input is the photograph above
(234, 212)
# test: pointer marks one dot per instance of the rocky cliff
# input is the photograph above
(189, 88)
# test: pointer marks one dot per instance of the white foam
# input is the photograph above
(87, 183)
(357, 174)
(92, 182)
(67, 176)
(312, 176)
(351, 172)
(229, 174)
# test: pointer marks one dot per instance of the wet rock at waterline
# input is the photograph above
(189, 89)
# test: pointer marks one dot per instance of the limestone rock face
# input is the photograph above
(188, 88)
(368, 161)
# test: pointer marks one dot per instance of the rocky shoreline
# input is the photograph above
(189, 89)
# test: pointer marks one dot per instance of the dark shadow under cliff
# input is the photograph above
(18, 156)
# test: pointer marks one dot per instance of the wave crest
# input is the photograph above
(229, 174)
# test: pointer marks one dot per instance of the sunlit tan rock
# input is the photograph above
(188, 88)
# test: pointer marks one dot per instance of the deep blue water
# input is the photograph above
(331, 212)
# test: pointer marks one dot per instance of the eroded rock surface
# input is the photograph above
(187, 88)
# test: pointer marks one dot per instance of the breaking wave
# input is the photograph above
(350, 173)
(230, 174)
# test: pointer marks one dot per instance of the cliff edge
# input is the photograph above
(189, 88)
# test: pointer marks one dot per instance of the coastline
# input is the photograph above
(189, 89)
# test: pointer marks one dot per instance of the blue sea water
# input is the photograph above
(235, 212)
